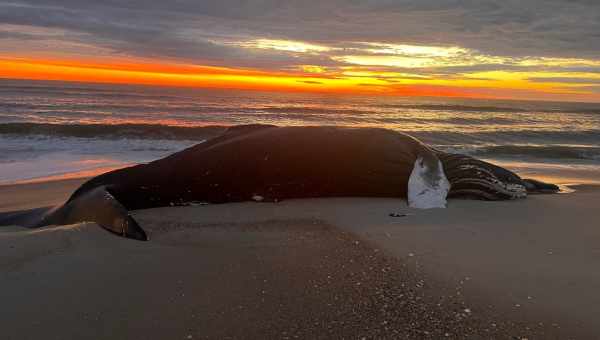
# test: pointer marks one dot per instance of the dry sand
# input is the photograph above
(319, 268)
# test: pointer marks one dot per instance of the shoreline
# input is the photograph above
(65, 176)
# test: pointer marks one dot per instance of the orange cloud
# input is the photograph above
(177, 75)
(146, 73)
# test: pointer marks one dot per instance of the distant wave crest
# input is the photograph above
(140, 131)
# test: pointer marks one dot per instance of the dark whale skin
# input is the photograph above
(269, 163)
(274, 163)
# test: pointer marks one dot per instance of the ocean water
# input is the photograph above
(55, 129)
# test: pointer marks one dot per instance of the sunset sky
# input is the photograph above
(540, 49)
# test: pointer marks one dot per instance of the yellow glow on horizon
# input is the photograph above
(306, 78)
(170, 76)
(527, 76)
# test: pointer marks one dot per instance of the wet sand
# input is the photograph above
(317, 268)
(16, 197)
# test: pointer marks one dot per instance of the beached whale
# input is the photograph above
(269, 163)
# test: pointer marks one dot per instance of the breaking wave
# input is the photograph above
(556, 152)
(108, 131)
(170, 132)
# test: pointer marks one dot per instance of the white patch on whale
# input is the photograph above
(427, 188)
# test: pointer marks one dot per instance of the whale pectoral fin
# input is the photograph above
(101, 207)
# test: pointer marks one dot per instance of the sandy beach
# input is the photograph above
(325, 169)
(314, 268)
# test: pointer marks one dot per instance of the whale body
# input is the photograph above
(269, 163)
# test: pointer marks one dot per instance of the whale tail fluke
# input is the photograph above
(97, 205)
(535, 186)
(25, 218)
